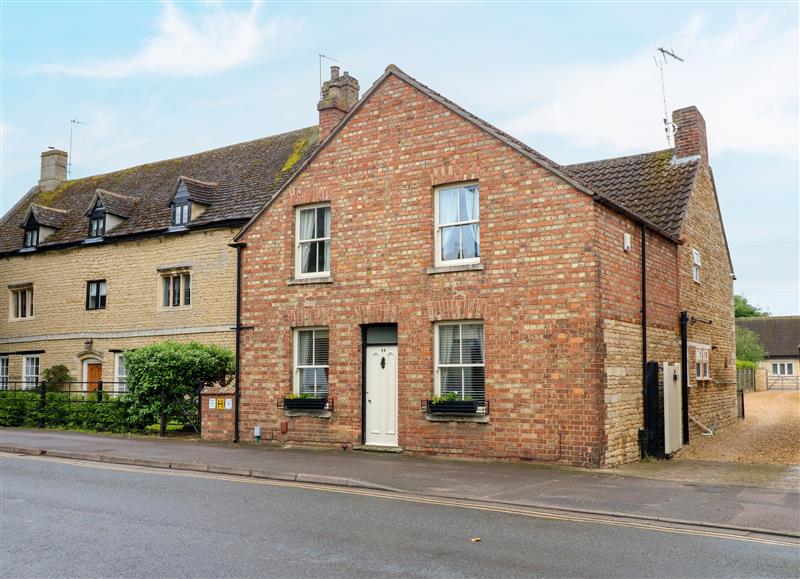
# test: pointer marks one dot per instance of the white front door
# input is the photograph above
(381, 395)
(673, 408)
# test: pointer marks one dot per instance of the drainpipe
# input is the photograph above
(685, 375)
(239, 247)
(644, 322)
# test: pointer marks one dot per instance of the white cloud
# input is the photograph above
(743, 79)
(217, 40)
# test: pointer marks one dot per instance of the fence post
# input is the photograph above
(42, 402)
(162, 429)
(99, 390)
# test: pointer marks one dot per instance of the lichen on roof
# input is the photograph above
(247, 174)
(647, 184)
(299, 147)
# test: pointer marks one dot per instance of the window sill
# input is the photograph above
(28, 249)
(315, 413)
(90, 240)
(455, 268)
(310, 280)
(177, 228)
(441, 417)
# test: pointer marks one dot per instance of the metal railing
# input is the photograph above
(27, 403)
(77, 391)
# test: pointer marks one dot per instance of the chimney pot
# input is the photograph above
(690, 134)
(339, 95)
(54, 169)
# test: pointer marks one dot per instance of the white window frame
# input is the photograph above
(181, 213)
(28, 382)
(296, 351)
(437, 227)
(120, 378)
(702, 356)
(437, 382)
(783, 368)
(13, 303)
(31, 237)
(4, 372)
(183, 274)
(696, 264)
(298, 254)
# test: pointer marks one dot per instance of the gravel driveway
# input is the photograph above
(769, 434)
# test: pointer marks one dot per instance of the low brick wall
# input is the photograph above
(217, 414)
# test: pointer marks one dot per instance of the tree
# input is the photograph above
(748, 347)
(744, 309)
(170, 375)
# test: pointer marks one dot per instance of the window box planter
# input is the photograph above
(453, 407)
(305, 403)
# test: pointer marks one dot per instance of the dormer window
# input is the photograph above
(40, 223)
(97, 220)
(181, 212)
(31, 237)
(189, 201)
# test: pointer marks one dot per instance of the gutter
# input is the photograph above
(237, 373)
(236, 222)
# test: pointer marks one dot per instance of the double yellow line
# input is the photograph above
(443, 502)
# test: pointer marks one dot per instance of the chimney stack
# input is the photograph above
(54, 169)
(690, 134)
(339, 95)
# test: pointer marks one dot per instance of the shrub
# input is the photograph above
(55, 376)
(178, 372)
(23, 408)
(19, 408)
(745, 365)
(748, 347)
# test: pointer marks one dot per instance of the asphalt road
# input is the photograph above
(61, 519)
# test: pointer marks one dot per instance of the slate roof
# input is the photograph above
(46, 216)
(779, 335)
(246, 176)
(201, 191)
(114, 203)
(650, 185)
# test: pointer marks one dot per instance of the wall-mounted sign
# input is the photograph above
(212, 403)
(220, 403)
(228, 403)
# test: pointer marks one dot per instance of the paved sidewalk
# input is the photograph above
(750, 507)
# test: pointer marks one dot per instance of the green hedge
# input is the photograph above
(23, 409)
(746, 364)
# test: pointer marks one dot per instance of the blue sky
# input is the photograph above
(578, 81)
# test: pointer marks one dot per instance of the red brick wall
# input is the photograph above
(538, 294)
(621, 298)
(217, 423)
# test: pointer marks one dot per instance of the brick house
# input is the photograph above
(115, 261)
(420, 251)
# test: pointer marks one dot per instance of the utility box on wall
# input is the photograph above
(217, 414)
